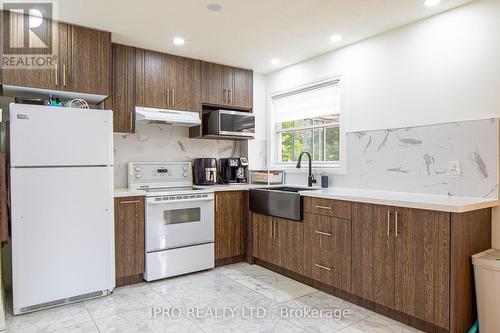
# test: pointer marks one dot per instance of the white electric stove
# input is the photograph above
(179, 219)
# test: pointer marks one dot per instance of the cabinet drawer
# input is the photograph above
(330, 250)
(328, 207)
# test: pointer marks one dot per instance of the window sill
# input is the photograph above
(316, 168)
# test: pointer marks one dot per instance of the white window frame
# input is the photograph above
(273, 135)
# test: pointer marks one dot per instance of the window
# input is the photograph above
(308, 119)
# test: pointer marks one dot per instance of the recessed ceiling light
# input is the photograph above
(432, 3)
(179, 41)
(214, 7)
(335, 38)
(275, 61)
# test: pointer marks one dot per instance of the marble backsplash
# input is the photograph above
(161, 142)
(415, 159)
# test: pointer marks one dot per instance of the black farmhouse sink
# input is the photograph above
(284, 202)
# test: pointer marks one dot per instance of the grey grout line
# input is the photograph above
(90, 315)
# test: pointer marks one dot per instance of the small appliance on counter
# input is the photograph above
(233, 170)
(267, 177)
(205, 171)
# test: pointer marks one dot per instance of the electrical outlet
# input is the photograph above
(454, 169)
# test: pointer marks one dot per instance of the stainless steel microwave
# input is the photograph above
(228, 123)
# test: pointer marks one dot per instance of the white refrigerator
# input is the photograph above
(62, 205)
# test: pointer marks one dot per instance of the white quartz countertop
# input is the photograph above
(127, 192)
(435, 202)
(246, 187)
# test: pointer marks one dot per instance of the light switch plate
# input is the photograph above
(454, 169)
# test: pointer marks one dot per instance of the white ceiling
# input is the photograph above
(246, 33)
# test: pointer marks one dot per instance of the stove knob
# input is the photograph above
(185, 168)
(185, 174)
(138, 168)
(138, 175)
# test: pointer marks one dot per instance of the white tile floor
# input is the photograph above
(197, 303)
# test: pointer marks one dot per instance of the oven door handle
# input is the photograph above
(151, 203)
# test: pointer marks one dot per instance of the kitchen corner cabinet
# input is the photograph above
(226, 86)
(83, 61)
(230, 226)
(279, 242)
(167, 82)
(122, 99)
(129, 240)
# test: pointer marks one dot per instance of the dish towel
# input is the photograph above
(4, 213)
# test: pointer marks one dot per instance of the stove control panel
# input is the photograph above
(141, 174)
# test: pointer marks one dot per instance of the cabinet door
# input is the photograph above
(211, 82)
(328, 253)
(289, 244)
(373, 253)
(422, 240)
(151, 79)
(242, 91)
(88, 69)
(230, 223)
(46, 78)
(263, 238)
(227, 85)
(122, 99)
(129, 237)
(185, 84)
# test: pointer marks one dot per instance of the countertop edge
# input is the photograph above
(450, 208)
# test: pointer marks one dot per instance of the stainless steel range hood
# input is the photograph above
(173, 117)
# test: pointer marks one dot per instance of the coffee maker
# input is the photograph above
(233, 170)
(205, 171)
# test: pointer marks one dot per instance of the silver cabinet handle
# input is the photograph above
(323, 233)
(172, 97)
(167, 97)
(323, 267)
(396, 221)
(274, 228)
(324, 207)
(388, 222)
(230, 95)
(224, 99)
(129, 202)
(131, 120)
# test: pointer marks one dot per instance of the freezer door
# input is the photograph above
(56, 136)
(62, 233)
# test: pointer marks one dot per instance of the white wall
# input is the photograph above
(442, 69)
(257, 147)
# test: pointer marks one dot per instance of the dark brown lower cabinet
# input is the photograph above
(279, 242)
(412, 265)
(373, 253)
(328, 250)
(129, 240)
(401, 259)
(422, 264)
(230, 226)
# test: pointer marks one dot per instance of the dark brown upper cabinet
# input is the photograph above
(83, 60)
(167, 82)
(45, 78)
(227, 86)
(85, 56)
(122, 99)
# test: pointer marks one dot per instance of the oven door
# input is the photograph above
(177, 223)
(236, 123)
